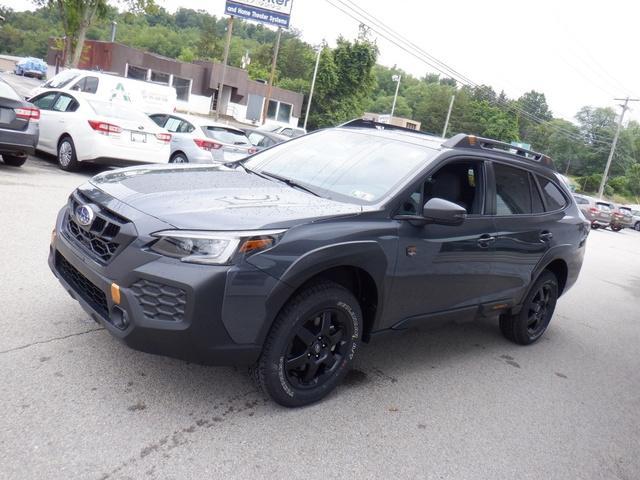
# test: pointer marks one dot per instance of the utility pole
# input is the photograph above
(605, 177)
(446, 123)
(224, 65)
(274, 64)
(398, 79)
(313, 85)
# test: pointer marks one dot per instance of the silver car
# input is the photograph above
(596, 211)
(201, 140)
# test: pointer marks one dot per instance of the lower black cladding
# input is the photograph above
(91, 294)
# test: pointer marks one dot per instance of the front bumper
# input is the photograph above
(212, 314)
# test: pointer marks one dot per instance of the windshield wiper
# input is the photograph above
(291, 183)
(248, 170)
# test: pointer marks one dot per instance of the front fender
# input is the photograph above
(368, 256)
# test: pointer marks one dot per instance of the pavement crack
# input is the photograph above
(55, 339)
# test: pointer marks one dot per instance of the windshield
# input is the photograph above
(625, 210)
(359, 166)
(226, 135)
(61, 80)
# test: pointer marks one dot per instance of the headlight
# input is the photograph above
(212, 248)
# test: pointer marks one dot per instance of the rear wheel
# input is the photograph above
(14, 160)
(179, 158)
(530, 324)
(67, 159)
(311, 345)
(637, 227)
(616, 228)
(595, 226)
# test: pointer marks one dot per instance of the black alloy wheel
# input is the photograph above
(530, 323)
(317, 348)
(539, 309)
(311, 345)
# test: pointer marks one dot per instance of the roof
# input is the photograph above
(204, 121)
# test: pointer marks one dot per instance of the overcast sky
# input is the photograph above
(576, 52)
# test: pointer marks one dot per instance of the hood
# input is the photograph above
(216, 198)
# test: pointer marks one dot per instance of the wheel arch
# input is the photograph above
(561, 270)
(360, 267)
(176, 153)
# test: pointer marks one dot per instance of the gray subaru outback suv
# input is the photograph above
(288, 260)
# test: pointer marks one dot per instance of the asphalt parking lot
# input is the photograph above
(455, 401)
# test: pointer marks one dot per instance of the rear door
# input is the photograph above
(528, 213)
(523, 230)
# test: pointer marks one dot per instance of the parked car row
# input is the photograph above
(605, 214)
(77, 124)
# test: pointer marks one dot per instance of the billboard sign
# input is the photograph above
(270, 12)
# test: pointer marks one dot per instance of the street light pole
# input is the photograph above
(313, 85)
(398, 79)
(446, 123)
(625, 107)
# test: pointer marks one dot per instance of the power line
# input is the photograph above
(440, 66)
(357, 13)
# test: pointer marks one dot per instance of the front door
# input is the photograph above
(444, 268)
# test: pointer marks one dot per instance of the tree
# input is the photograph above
(537, 111)
(345, 81)
(78, 15)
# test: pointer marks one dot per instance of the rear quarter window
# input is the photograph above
(553, 196)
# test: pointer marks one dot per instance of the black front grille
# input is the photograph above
(83, 286)
(160, 302)
(101, 239)
(103, 247)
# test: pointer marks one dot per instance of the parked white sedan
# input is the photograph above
(78, 129)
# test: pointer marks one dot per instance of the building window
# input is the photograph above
(159, 77)
(284, 113)
(412, 126)
(279, 111)
(183, 88)
(136, 73)
(273, 110)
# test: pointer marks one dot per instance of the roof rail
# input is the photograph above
(362, 123)
(463, 140)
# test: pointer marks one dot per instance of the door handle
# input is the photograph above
(485, 240)
(546, 236)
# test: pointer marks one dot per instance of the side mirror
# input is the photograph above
(444, 212)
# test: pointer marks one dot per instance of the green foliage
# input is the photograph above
(349, 82)
(345, 81)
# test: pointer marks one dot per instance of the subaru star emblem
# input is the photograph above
(85, 215)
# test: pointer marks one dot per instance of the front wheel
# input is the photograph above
(616, 228)
(311, 345)
(637, 227)
(528, 326)
(67, 158)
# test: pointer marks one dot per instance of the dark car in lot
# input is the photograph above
(262, 139)
(288, 260)
(19, 128)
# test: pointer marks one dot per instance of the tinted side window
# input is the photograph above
(91, 84)
(553, 197)
(159, 119)
(513, 192)
(65, 103)
(44, 101)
